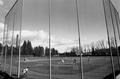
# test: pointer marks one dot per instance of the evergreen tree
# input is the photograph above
(23, 48)
(38, 51)
(41, 51)
(29, 48)
(54, 52)
(26, 48)
(47, 51)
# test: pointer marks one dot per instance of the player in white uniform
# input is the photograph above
(62, 61)
(25, 71)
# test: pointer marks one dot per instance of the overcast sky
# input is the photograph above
(63, 21)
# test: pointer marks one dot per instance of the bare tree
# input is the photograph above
(88, 48)
(112, 41)
(100, 44)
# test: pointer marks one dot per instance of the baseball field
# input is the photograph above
(39, 67)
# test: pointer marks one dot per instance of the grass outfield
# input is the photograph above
(94, 67)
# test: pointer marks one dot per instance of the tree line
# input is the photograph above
(99, 48)
(27, 49)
